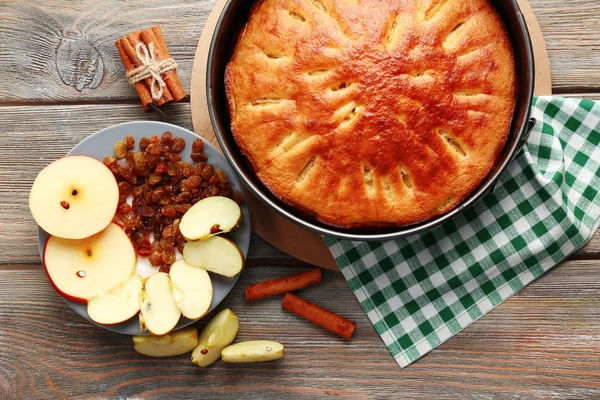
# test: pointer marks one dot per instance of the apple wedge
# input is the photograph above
(192, 289)
(218, 334)
(118, 304)
(173, 344)
(210, 216)
(158, 313)
(80, 269)
(252, 351)
(216, 254)
(74, 197)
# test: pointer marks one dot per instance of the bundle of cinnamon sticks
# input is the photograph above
(158, 56)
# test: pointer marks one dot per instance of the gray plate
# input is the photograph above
(101, 144)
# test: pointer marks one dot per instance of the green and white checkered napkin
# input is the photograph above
(421, 290)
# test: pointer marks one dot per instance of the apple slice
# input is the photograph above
(173, 344)
(218, 334)
(192, 289)
(118, 304)
(252, 351)
(210, 216)
(216, 254)
(80, 269)
(74, 197)
(158, 313)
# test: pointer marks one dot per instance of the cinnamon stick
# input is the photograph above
(140, 87)
(318, 315)
(132, 40)
(162, 52)
(284, 284)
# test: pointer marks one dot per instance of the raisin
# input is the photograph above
(156, 258)
(147, 224)
(226, 185)
(168, 256)
(211, 191)
(193, 182)
(144, 252)
(198, 157)
(132, 219)
(144, 142)
(154, 179)
(154, 150)
(122, 199)
(129, 142)
(197, 146)
(129, 156)
(110, 161)
(183, 184)
(213, 180)
(164, 200)
(125, 188)
(198, 168)
(165, 268)
(183, 197)
(183, 208)
(124, 208)
(177, 145)
(221, 176)
(146, 211)
(154, 139)
(120, 149)
(227, 193)
(138, 191)
(169, 211)
(238, 197)
(161, 168)
(168, 231)
(180, 247)
(166, 138)
(207, 172)
(130, 230)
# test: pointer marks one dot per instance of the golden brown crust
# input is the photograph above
(370, 112)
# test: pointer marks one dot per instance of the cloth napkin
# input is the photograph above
(421, 290)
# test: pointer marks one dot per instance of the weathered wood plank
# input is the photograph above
(543, 343)
(34, 136)
(60, 51)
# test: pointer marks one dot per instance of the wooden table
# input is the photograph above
(61, 80)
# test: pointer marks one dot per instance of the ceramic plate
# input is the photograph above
(100, 145)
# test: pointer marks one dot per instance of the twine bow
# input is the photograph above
(151, 68)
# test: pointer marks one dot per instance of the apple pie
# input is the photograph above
(369, 112)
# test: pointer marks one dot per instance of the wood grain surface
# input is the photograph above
(542, 343)
(61, 80)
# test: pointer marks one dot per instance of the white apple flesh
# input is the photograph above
(118, 304)
(216, 254)
(80, 269)
(173, 344)
(210, 216)
(74, 197)
(192, 289)
(252, 351)
(218, 334)
(158, 313)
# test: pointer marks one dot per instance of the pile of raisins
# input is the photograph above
(163, 189)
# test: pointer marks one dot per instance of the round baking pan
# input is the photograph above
(231, 23)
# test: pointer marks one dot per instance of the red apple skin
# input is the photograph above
(66, 296)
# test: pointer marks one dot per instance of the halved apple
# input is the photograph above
(192, 289)
(173, 344)
(158, 313)
(216, 254)
(218, 334)
(210, 216)
(80, 269)
(252, 351)
(74, 197)
(118, 304)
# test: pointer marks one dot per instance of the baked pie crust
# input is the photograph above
(372, 112)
